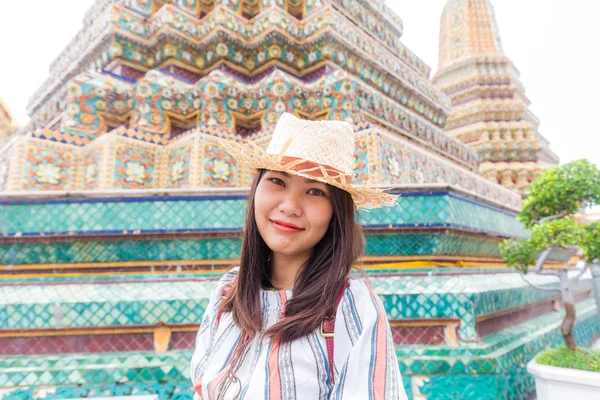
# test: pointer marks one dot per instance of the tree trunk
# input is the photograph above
(566, 329)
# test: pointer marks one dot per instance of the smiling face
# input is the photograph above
(292, 214)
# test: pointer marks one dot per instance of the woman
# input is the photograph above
(289, 323)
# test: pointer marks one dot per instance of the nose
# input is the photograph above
(291, 204)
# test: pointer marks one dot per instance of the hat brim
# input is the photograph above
(254, 157)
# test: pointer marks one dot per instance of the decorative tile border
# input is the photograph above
(118, 216)
(79, 305)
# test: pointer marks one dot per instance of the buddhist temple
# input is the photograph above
(120, 210)
(490, 110)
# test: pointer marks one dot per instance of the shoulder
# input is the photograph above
(358, 287)
(360, 297)
(229, 276)
(226, 279)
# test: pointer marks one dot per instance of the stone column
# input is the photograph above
(596, 282)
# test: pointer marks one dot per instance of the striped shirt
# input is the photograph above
(365, 364)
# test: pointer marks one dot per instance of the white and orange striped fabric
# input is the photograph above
(365, 361)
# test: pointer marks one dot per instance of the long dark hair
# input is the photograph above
(317, 285)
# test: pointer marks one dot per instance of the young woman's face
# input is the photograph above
(292, 213)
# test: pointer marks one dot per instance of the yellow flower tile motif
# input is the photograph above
(135, 172)
(48, 174)
(221, 170)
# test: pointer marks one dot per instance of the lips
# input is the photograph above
(285, 226)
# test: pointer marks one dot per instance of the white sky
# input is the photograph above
(553, 43)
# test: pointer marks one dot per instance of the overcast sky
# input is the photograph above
(553, 43)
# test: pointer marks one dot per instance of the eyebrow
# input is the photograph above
(307, 180)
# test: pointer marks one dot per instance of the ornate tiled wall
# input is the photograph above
(133, 220)
(134, 32)
(147, 302)
(224, 249)
(439, 372)
(226, 212)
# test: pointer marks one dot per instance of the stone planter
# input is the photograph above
(554, 383)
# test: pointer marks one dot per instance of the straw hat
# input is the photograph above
(319, 150)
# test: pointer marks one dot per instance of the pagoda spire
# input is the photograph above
(490, 111)
(468, 29)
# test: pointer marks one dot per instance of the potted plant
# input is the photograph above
(561, 373)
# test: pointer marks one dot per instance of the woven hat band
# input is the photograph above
(313, 169)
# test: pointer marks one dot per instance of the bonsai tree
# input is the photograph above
(549, 212)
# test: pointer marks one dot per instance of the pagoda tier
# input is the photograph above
(127, 41)
(489, 107)
(153, 154)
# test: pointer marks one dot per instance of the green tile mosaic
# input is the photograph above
(209, 213)
(463, 297)
(70, 304)
(103, 251)
(90, 369)
(117, 215)
(430, 244)
(495, 373)
(508, 379)
(92, 305)
(464, 213)
(504, 296)
(164, 391)
(445, 209)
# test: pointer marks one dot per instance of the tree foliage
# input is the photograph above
(548, 212)
(518, 253)
(557, 233)
(562, 191)
(562, 232)
(591, 242)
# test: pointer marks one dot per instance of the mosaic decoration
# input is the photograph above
(492, 117)
(401, 163)
(121, 49)
(120, 210)
(133, 170)
(47, 166)
(92, 160)
(159, 99)
(404, 163)
(445, 367)
(95, 100)
(223, 250)
(179, 166)
(220, 168)
(208, 213)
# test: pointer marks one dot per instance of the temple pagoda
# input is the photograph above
(120, 210)
(489, 107)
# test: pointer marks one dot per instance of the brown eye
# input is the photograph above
(277, 181)
(316, 192)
